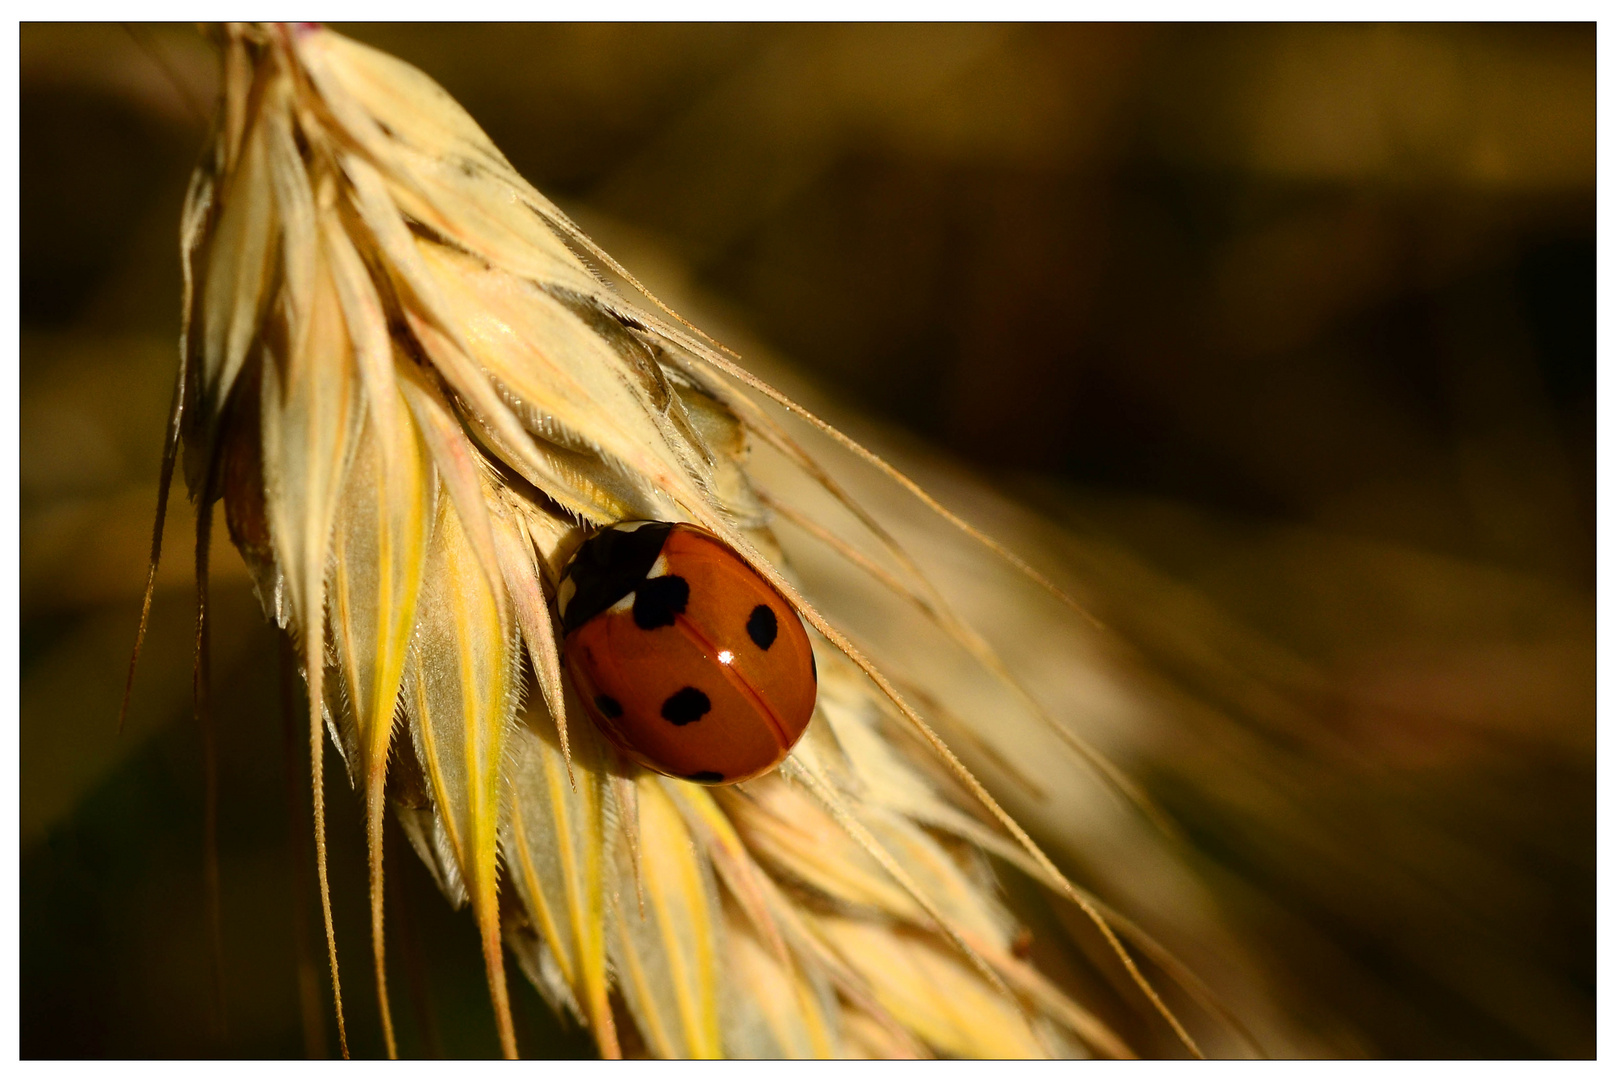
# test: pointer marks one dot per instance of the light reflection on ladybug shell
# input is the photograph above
(683, 655)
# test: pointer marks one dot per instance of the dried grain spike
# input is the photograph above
(445, 393)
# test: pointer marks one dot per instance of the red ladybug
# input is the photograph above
(684, 656)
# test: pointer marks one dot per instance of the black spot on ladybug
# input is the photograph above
(607, 567)
(706, 777)
(609, 707)
(685, 705)
(659, 601)
(762, 626)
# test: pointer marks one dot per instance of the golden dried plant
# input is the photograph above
(404, 372)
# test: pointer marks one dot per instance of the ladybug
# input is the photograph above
(686, 658)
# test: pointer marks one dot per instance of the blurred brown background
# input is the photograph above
(1301, 318)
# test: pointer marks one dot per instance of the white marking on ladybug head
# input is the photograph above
(659, 568)
(627, 602)
(631, 526)
(565, 593)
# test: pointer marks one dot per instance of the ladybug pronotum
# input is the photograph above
(688, 659)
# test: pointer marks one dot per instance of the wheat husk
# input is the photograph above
(405, 373)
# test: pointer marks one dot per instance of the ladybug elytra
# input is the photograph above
(686, 658)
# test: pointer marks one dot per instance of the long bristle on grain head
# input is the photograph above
(406, 376)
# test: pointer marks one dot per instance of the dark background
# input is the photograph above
(1302, 316)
